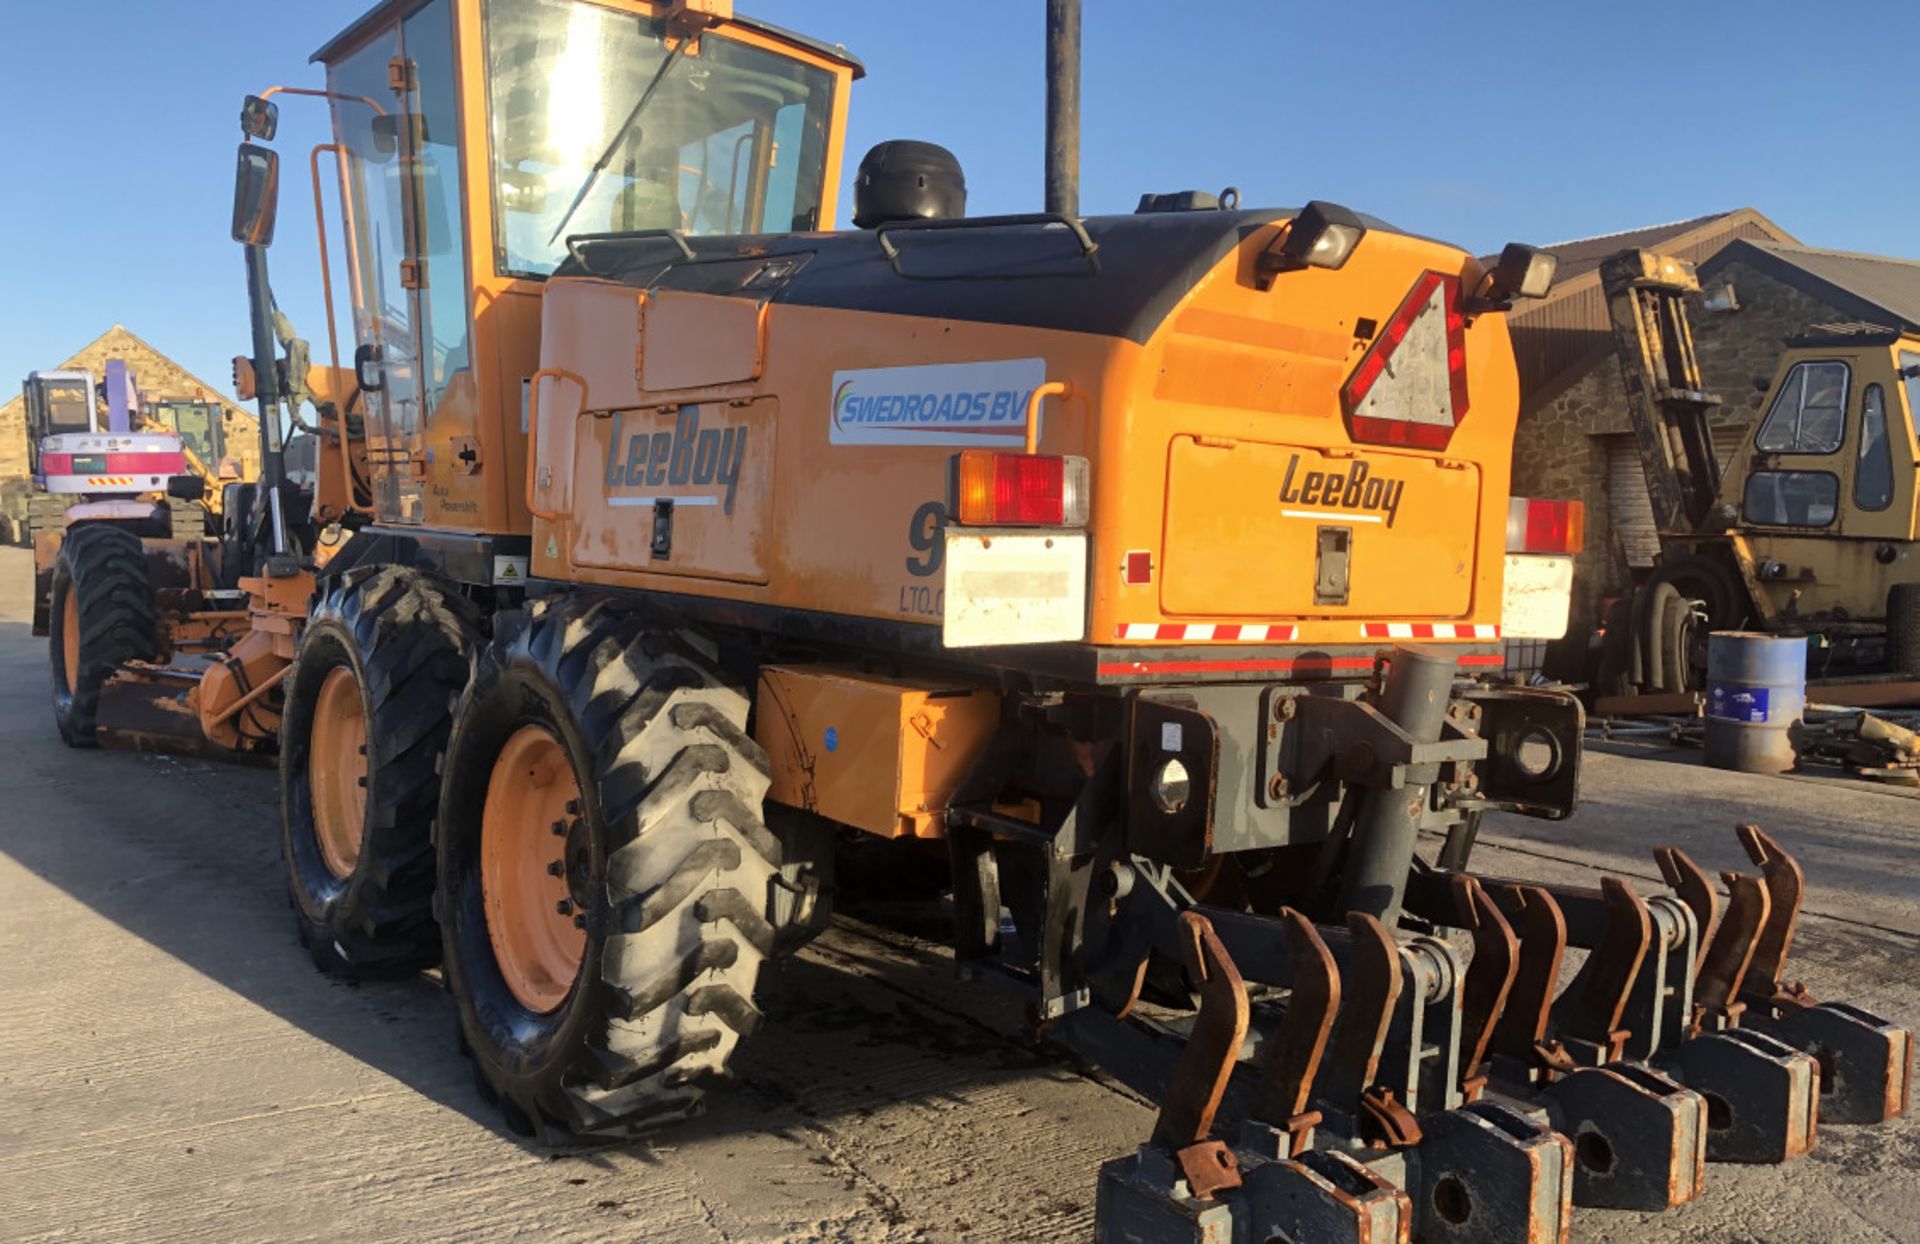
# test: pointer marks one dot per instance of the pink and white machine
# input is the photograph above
(74, 456)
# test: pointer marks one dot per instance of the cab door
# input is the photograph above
(369, 112)
(395, 112)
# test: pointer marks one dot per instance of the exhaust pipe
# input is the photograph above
(1063, 107)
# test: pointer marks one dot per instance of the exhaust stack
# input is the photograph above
(1063, 107)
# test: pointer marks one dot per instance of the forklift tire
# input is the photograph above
(1903, 629)
(606, 878)
(368, 711)
(1614, 676)
(102, 615)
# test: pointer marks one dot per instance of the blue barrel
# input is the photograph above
(1756, 695)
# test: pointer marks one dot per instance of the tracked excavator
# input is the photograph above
(1149, 572)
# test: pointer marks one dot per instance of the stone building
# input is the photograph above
(157, 377)
(1759, 287)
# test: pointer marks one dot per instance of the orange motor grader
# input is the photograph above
(1149, 572)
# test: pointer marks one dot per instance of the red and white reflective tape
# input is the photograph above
(1427, 630)
(1206, 633)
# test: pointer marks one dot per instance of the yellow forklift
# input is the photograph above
(1811, 528)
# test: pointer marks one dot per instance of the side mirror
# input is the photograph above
(368, 371)
(256, 194)
(259, 118)
(187, 487)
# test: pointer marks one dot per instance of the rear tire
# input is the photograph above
(1903, 629)
(382, 659)
(659, 859)
(101, 615)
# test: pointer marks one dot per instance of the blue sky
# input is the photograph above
(1475, 122)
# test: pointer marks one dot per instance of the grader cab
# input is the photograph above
(1148, 571)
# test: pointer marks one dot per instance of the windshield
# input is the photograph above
(69, 406)
(732, 141)
(197, 424)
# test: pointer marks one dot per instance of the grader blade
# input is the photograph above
(150, 708)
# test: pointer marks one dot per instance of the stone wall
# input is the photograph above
(1560, 450)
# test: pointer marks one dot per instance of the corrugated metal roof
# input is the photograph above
(1879, 289)
(1584, 254)
(1556, 339)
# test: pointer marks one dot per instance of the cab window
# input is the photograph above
(1809, 414)
(69, 406)
(1792, 498)
(598, 126)
(1910, 370)
(1873, 473)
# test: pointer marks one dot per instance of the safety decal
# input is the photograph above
(1427, 630)
(1205, 632)
(983, 404)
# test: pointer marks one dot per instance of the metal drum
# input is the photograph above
(1756, 694)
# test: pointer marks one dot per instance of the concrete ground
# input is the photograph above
(171, 1067)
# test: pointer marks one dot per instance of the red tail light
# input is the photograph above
(1022, 490)
(1545, 526)
(1411, 386)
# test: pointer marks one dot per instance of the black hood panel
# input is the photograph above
(1013, 270)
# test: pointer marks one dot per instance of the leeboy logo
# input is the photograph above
(690, 456)
(1357, 489)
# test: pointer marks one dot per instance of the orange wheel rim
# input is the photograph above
(529, 842)
(337, 771)
(70, 639)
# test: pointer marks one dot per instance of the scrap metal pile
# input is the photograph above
(1884, 746)
(1356, 1085)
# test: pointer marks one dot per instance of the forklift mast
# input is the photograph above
(1666, 401)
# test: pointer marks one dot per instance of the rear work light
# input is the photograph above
(1545, 526)
(1019, 490)
(1410, 388)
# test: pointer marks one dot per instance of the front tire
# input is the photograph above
(601, 816)
(368, 711)
(102, 614)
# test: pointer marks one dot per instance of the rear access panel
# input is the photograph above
(685, 488)
(881, 754)
(1282, 531)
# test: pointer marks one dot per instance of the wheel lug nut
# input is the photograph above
(573, 807)
(559, 829)
(580, 920)
(556, 868)
(564, 906)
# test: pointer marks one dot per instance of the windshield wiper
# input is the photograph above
(606, 157)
